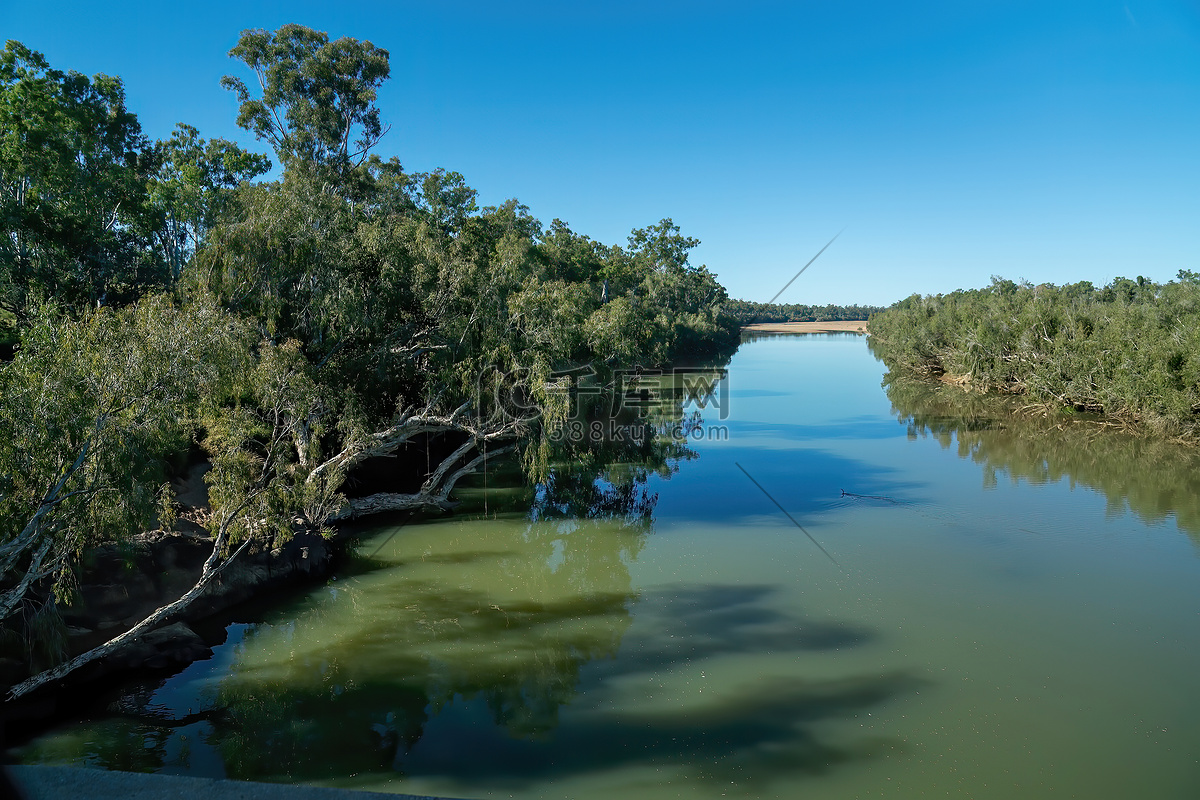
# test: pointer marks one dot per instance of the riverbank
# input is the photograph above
(832, 326)
(673, 636)
(121, 583)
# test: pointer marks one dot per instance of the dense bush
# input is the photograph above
(1130, 349)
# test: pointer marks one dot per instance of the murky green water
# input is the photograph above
(1014, 611)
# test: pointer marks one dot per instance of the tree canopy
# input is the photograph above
(78, 222)
(316, 98)
(295, 332)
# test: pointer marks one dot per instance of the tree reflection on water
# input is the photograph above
(498, 609)
(1155, 478)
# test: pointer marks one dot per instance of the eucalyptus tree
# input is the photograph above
(663, 307)
(315, 102)
(385, 281)
(375, 307)
(331, 319)
(121, 392)
(89, 410)
(445, 200)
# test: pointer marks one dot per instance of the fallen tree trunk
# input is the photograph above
(433, 494)
(212, 568)
(411, 425)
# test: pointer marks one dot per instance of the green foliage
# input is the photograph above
(316, 96)
(1131, 348)
(310, 317)
(77, 221)
(444, 200)
(194, 187)
(262, 449)
(90, 409)
(408, 291)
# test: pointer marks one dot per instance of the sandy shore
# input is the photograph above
(837, 326)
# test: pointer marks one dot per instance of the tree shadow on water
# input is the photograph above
(452, 686)
(751, 736)
(759, 731)
(555, 690)
(697, 622)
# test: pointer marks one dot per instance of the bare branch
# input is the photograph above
(388, 441)
(13, 597)
(425, 499)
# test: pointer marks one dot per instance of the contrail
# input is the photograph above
(797, 275)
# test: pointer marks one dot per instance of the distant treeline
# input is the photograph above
(1129, 349)
(748, 313)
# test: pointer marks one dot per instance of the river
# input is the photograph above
(834, 590)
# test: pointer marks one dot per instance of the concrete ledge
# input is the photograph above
(69, 783)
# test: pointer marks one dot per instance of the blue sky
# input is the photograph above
(1053, 141)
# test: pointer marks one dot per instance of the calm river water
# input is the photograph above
(1009, 608)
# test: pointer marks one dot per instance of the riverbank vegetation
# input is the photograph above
(162, 299)
(1129, 350)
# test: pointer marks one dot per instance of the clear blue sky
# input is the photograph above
(1053, 141)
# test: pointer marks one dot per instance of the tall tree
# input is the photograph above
(316, 98)
(379, 311)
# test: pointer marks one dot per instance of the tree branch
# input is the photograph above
(383, 502)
